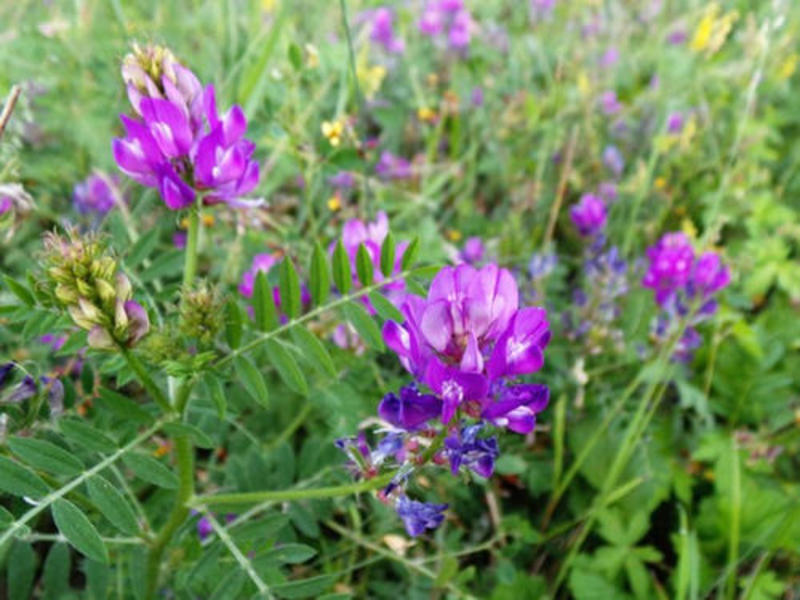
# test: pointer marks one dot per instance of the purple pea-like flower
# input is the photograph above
(612, 158)
(97, 194)
(517, 407)
(5, 371)
(6, 203)
(419, 516)
(473, 250)
(410, 409)
(476, 97)
(709, 275)
(609, 102)
(589, 215)
(675, 122)
(450, 16)
(342, 180)
(204, 528)
(467, 334)
(609, 58)
(182, 146)
(671, 262)
(382, 30)
(465, 448)
(390, 166)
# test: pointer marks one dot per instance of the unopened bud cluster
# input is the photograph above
(85, 280)
(201, 313)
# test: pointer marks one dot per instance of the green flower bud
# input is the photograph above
(66, 294)
(105, 290)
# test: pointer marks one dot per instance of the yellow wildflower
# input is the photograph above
(370, 77)
(334, 203)
(453, 235)
(426, 114)
(788, 66)
(333, 130)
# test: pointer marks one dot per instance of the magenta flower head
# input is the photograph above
(468, 336)
(390, 166)
(450, 16)
(419, 516)
(409, 410)
(671, 262)
(382, 30)
(97, 194)
(609, 103)
(473, 250)
(589, 215)
(181, 145)
(675, 122)
(709, 275)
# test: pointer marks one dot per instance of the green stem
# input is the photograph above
(144, 378)
(292, 494)
(184, 453)
(190, 263)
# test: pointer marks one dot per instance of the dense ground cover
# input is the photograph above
(430, 298)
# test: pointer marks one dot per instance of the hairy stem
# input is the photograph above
(190, 263)
(144, 378)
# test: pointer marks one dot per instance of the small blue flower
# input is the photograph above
(419, 516)
(477, 454)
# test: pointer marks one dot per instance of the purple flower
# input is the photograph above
(204, 528)
(467, 449)
(589, 215)
(542, 9)
(24, 390)
(607, 191)
(419, 516)
(390, 166)
(675, 122)
(476, 97)
(451, 16)
(677, 37)
(5, 205)
(612, 158)
(382, 30)
(473, 250)
(709, 274)
(610, 57)
(542, 264)
(5, 370)
(97, 194)
(671, 261)
(54, 341)
(517, 407)
(181, 145)
(467, 334)
(342, 180)
(410, 410)
(609, 102)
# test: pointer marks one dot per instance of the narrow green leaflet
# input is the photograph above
(313, 350)
(252, 380)
(410, 255)
(150, 470)
(86, 436)
(286, 366)
(304, 588)
(289, 553)
(113, 505)
(20, 570)
(266, 314)
(233, 324)
(199, 437)
(19, 481)
(217, 393)
(45, 456)
(320, 279)
(55, 575)
(364, 268)
(74, 526)
(387, 255)
(290, 289)
(384, 308)
(342, 276)
(19, 290)
(364, 324)
(143, 247)
(123, 407)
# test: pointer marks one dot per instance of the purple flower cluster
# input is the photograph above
(473, 251)
(382, 30)
(179, 144)
(390, 166)
(589, 215)
(448, 17)
(467, 342)
(684, 285)
(97, 194)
